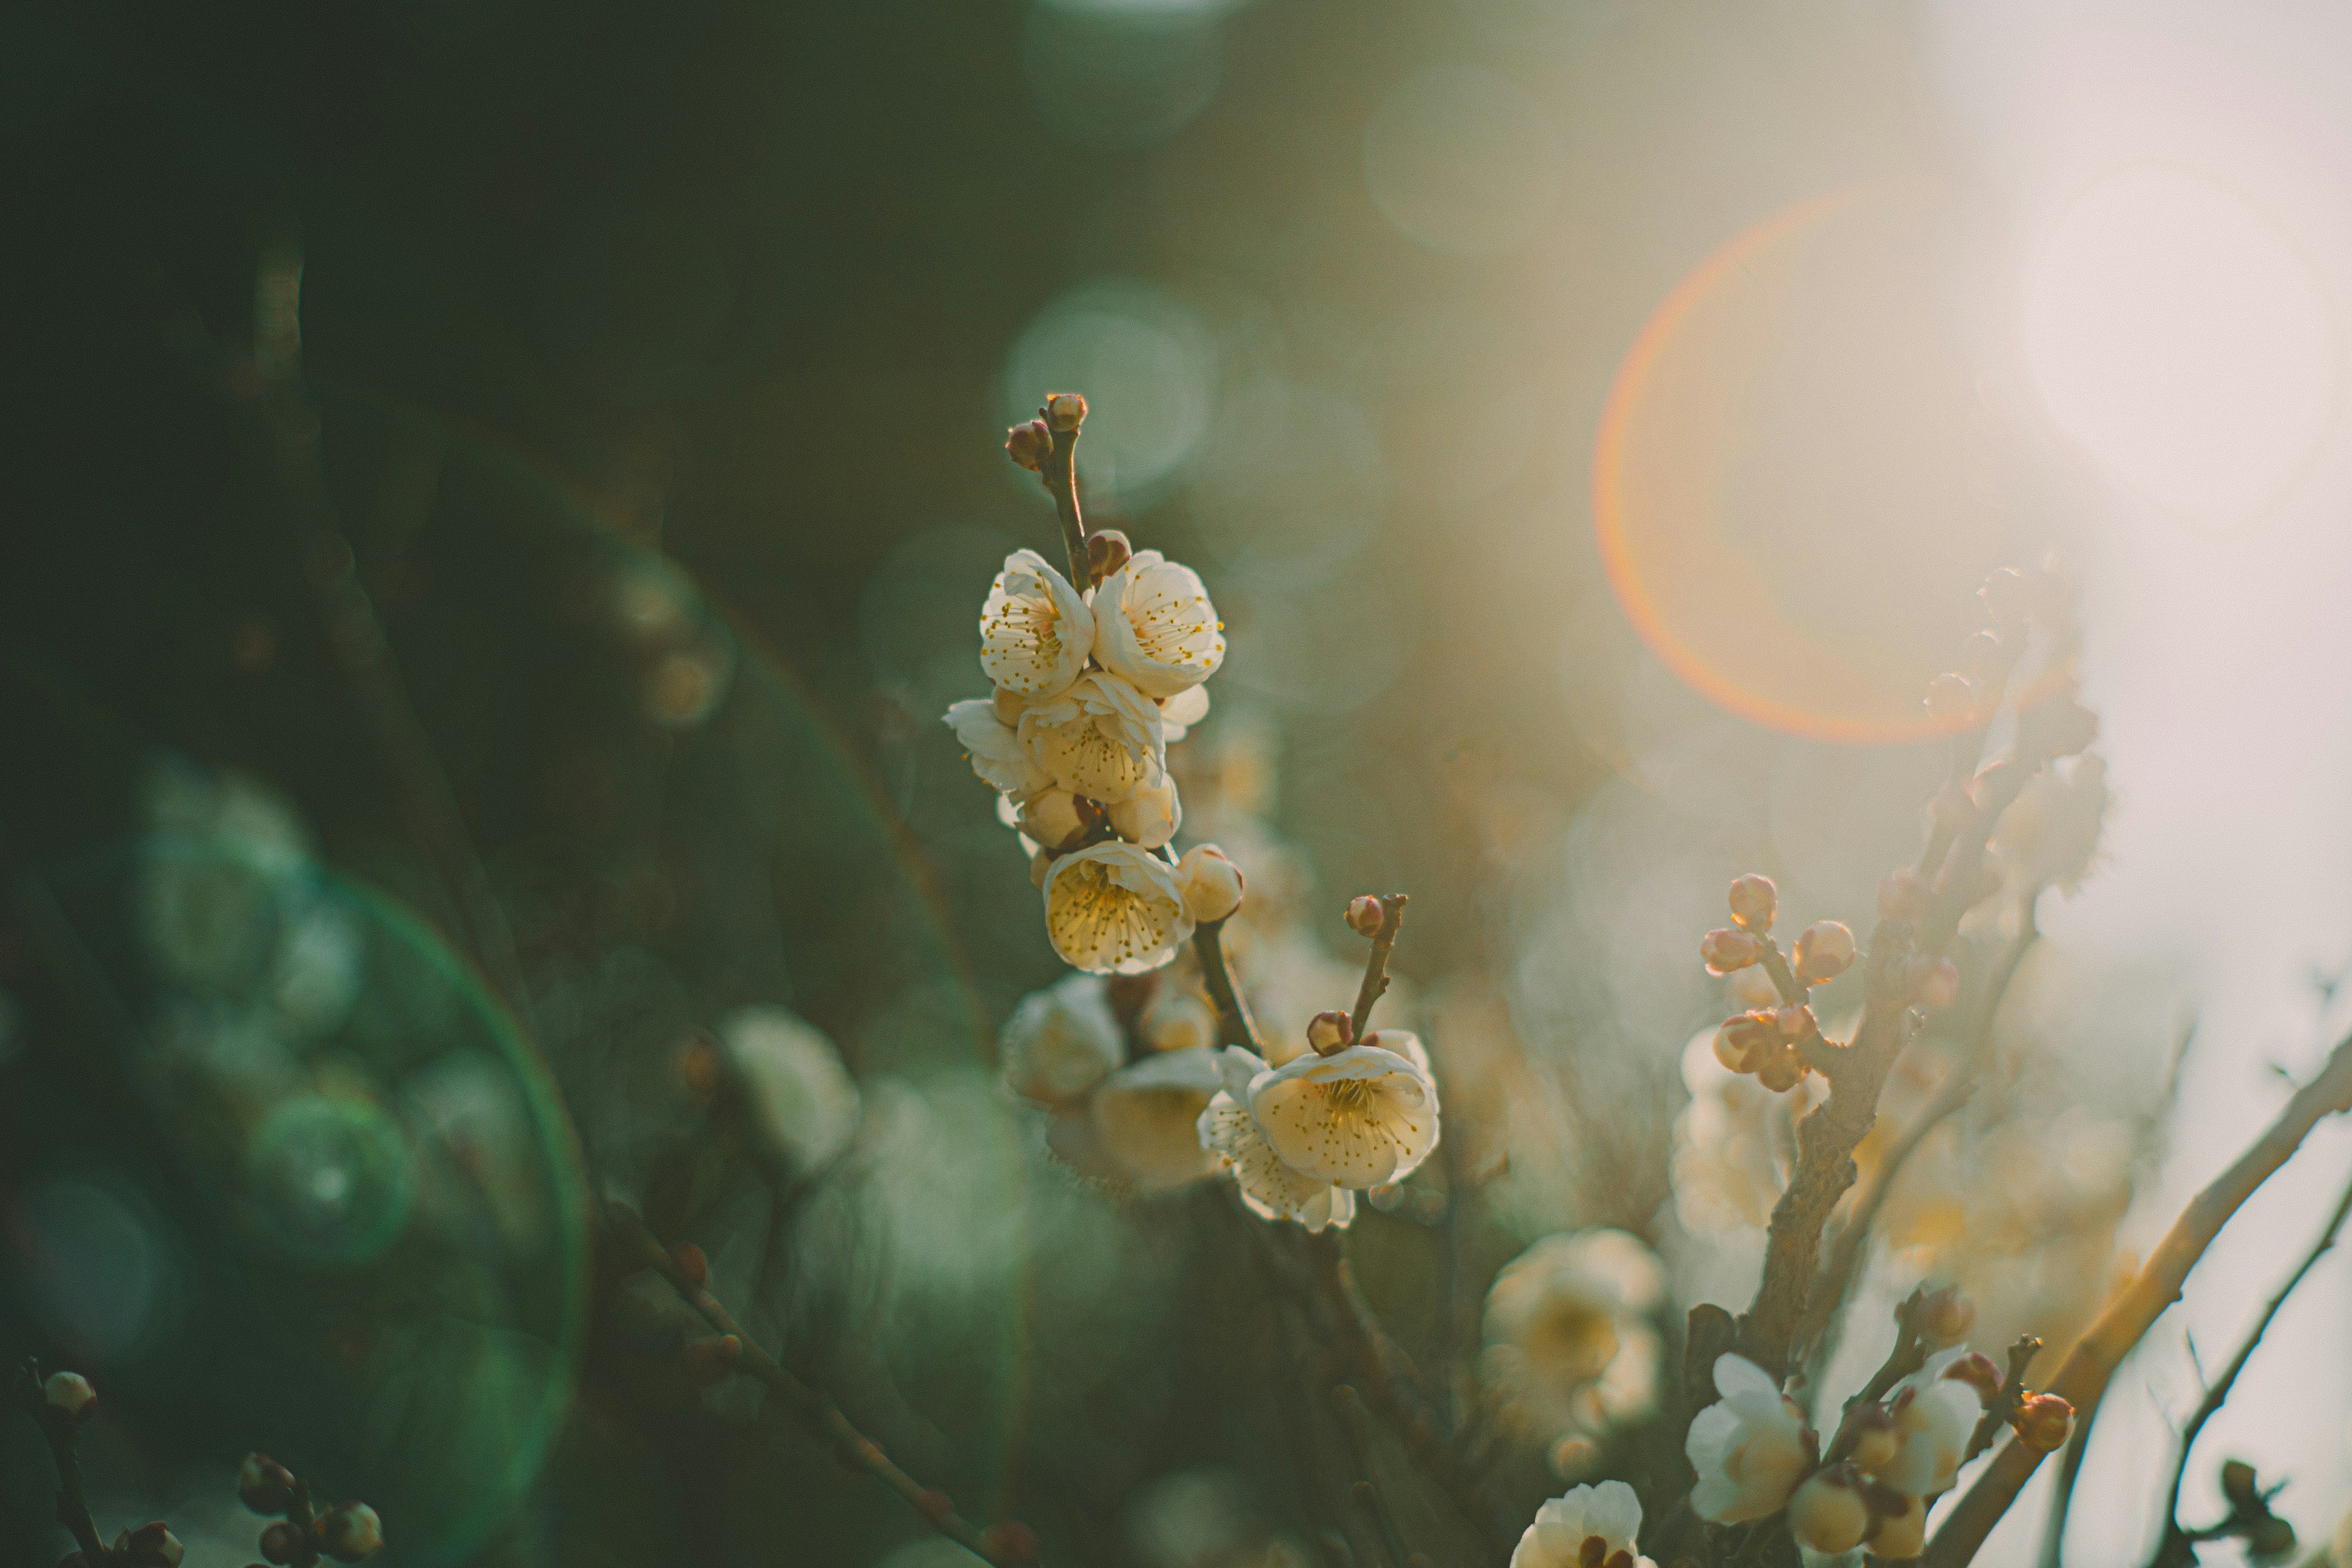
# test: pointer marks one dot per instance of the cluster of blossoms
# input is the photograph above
(1585, 1527)
(1093, 683)
(1571, 1349)
(1755, 1455)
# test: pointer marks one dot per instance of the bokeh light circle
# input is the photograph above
(326, 1180)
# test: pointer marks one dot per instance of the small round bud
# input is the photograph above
(1066, 410)
(1364, 915)
(264, 1485)
(1795, 1021)
(1751, 989)
(1781, 1071)
(1980, 656)
(1329, 1031)
(1052, 817)
(1977, 1370)
(936, 1507)
(1754, 901)
(1903, 896)
(1877, 1438)
(1952, 698)
(1211, 884)
(282, 1542)
(1107, 550)
(2044, 1422)
(1945, 1317)
(1010, 1540)
(2004, 596)
(1029, 445)
(1727, 949)
(1824, 950)
(1745, 1043)
(692, 1262)
(71, 1394)
(350, 1531)
(1933, 983)
(152, 1545)
(1828, 1512)
(1901, 1531)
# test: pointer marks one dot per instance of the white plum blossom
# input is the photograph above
(1181, 711)
(1358, 1117)
(1566, 1529)
(1150, 817)
(1113, 909)
(1750, 1448)
(802, 1099)
(1061, 1042)
(1934, 1416)
(1149, 1116)
(1177, 1020)
(1211, 882)
(995, 749)
(1100, 738)
(1568, 1338)
(1272, 1189)
(1154, 624)
(1035, 630)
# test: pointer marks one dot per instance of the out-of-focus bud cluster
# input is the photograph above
(347, 1532)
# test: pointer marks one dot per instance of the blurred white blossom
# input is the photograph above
(801, 1098)
(1061, 1042)
(1569, 1338)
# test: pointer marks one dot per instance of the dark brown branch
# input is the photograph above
(2174, 1536)
(2021, 1351)
(1234, 1025)
(1376, 967)
(2083, 1377)
(818, 1414)
(63, 1435)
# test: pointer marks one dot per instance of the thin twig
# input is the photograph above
(1060, 474)
(1376, 966)
(2021, 1351)
(820, 1416)
(1234, 1025)
(2083, 1376)
(2220, 1391)
(63, 1435)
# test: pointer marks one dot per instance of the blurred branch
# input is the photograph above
(2175, 1537)
(2062, 1501)
(817, 1414)
(2083, 1376)
(1234, 1025)
(62, 1431)
(1376, 966)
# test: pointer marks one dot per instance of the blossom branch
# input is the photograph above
(1234, 1025)
(1376, 967)
(2174, 1536)
(1007, 1547)
(61, 1430)
(1063, 414)
(2083, 1376)
(2003, 1404)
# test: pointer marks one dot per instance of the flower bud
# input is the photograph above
(264, 1485)
(1903, 896)
(1751, 989)
(1754, 901)
(1902, 1531)
(283, 1542)
(1977, 1370)
(1727, 949)
(1211, 884)
(692, 1262)
(2044, 1422)
(1107, 550)
(1365, 915)
(1029, 445)
(1066, 410)
(352, 1531)
(152, 1545)
(1945, 1317)
(1148, 817)
(1010, 1540)
(1933, 983)
(1795, 1021)
(2004, 596)
(1824, 950)
(1828, 1512)
(1952, 698)
(1980, 656)
(1781, 1071)
(1039, 864)
(1331, 1031)
(1745, 1043)
(1877, 1438)
(1052, 817)
(71, 1392)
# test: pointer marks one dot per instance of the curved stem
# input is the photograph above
(1060, 474)
(1376, 967)
(1234, 1025)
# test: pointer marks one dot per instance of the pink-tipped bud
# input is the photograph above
(264, 1485)
(283, 1542)
(1795, 1023)
(1745, 1043)
(2044, 1422)
(1329, 1031)
(70, 1393)
(1107, 550)
(1952, 698)
(1029, 445)
(1364, 915)
(152, 1545)
(1754, 901)
(1824, 950)
(1980, 656)
(1933, 983)
(350, 1531)
(1210, 883)
(1828, 1512)
(1782, 1071)
(2004, 596)
(1977, 1370)
(1066, 410)
(1010, 1542)
(1727, 949)
(1945, 1317)
(1877, 1438)
(1903, 896)
(692, 1262)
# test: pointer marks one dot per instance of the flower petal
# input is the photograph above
(1036, 631)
